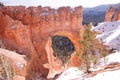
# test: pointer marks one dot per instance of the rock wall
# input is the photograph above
(111, 15)
(27, 31)
(117, 15)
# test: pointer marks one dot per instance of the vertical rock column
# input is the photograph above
(109, 14)
(117, 15)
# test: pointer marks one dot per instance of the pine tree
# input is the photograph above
(92, 49)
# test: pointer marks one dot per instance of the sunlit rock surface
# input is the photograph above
(27, 31)
(16, 62)
(111, 15)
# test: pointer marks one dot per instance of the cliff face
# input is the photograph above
(111, 15)
(28, 31)
(117, 15)
(97, 14)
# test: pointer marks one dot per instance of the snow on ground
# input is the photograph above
(113, 58)
(110, 33)
(107, 26)
(109, 75)
(72, 73)
(110, 59)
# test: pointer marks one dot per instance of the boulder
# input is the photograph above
(16, 62)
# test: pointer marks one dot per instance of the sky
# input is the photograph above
(58, 3)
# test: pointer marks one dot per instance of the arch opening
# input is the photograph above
(62, 48)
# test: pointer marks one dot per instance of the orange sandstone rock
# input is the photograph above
(117, 15)
(16, 61)
(27, 31)
(109, 14)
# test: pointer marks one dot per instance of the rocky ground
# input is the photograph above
(2, 71)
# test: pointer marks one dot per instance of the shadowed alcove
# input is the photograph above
(62, 48)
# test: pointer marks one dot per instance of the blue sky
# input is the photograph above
(58, 3)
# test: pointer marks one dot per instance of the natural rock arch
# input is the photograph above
(73, 37)
(55, 65)
(30, 28)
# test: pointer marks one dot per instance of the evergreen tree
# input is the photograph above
(92, 49)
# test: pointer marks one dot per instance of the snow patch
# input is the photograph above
(72, 73)
(110, 59)
(110, 34)
(109, 75)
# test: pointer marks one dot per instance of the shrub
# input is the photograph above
(8, 72)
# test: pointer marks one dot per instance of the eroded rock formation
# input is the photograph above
(111, 15)
(117, 15)
(28, 31)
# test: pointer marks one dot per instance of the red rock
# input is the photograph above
(55, 65)
(117, 15)
(75, 60)
(16, 62)
(109, 14)
(28, 33)
(19, 78)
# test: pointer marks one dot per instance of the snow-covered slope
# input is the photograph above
(72, 73)
(110, 33)
(108, 68)
(110, 59)
(109, 75)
